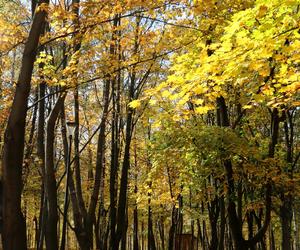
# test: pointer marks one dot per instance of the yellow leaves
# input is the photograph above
(217, 88)
(262, 67)
(248, 106)
(134, 104)
(166, 94)
(268, 91)
(118, 8)
(283, 69)
(43, 7)
(262, 11)
(198, 89)
(264, 71)
(184, 100)
(226, 46)
(152, 102)
(203, 109)
(44, 58)
(258, 98)
(294, 87)
(198, 101)
(10, 34)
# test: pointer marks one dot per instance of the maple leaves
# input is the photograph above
(253, 62)
(260, 50)
(256, 56)
(11, 32)
(182, 57)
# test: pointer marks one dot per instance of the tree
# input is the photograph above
(13, 223)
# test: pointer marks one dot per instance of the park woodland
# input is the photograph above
(150, 124)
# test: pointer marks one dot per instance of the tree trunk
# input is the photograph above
(135, 226)
(286, 216)
(14, 226)
(213, 212)
(151, 239)
(50, 180)
(234, 222)
(114, 166)
(41, 157)
(286, 209)
(222, 223)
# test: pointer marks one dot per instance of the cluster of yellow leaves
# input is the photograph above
(255, 61)
(258, 53)
(11, 34)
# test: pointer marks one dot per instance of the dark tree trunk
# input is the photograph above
(99, 168)
(272, 239)
(200, 234)
(222, 223)
(173, 227)
(213, 212)
(41, 157)
(235, 223)
(162, 232)
(249, 217)
(286, 215)
(113, 171)
(151, 239)
(114, 166)
(124, 179)
(135, 227)
(126, 164)
(76, 213)
(286, 209)
(14, 226)
(124, 233)
(50, 180)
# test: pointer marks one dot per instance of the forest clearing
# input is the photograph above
(150, 125)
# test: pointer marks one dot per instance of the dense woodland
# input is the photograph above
(132, 124)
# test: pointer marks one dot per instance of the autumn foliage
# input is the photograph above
(186, 118)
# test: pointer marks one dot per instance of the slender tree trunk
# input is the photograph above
(162, 232)
(113, 172)
(14, 226)
(50, 180)
(151, 239)
(214, 210)
(249, 216)
(76, 212)
(172, 230)
(99, 168)
(222, 223)
(114, 166)
(41, 157)
(199, 234)
(135, 227)
(286, 209)
(66, 199)
(234, 221)
(124, 233)
(297, 226)
(286, 216)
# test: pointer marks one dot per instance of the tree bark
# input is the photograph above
(114, 165)
(41, 157)
(286, 209)
(135, 225)
(50, 180)
(234, 221)
(14, 230)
